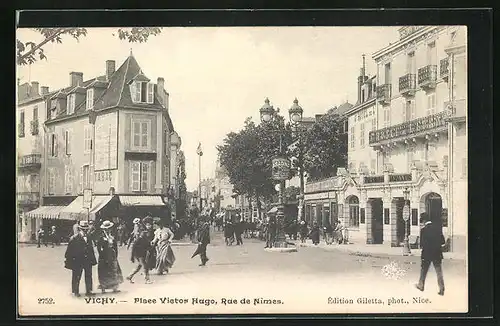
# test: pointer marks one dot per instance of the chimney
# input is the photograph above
(160, 86)
(110, 68)
(35, 88)
(75, 78)
(44, 90)
(361, 80)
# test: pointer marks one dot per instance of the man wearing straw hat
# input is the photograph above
(80, 258)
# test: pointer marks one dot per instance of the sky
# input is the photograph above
(218, 76)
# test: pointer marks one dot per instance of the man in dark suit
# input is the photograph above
(431, 242)
(80, 257)
(204, 240)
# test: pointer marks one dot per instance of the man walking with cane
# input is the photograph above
(431, 241)
(204, 240)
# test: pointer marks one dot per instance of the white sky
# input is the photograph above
(217, 77)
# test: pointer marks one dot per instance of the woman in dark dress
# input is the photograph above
(108, 268)
(143, 252)
(315, 233)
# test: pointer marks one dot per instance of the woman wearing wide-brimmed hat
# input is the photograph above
(143, 251)
(136, 232)
(108, 268)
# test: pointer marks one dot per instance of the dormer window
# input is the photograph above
(70, 108)
(142, 92)
(90, 99)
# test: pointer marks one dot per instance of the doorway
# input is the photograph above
(377, 220)
(399, 203)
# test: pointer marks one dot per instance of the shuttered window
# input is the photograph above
(139, 176)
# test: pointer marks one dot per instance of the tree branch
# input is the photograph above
(39, 45)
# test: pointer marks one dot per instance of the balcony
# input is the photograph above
(407, 86)
(28, 198)
(427, 77)
(31, 161)
(20, 130)
(443, 69)
(34, 127)
(457, 110)
(384, 93)
(411, 129)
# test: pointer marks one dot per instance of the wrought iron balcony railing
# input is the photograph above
(31, 160)
(427, 76)
(384, 93)
(409, 129)
(407, 84)
(443, 69)
(28, 198)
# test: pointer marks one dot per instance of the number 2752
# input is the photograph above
(45, 301)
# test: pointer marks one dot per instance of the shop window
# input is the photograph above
(354, 212)
(414, 216)
(387, 216)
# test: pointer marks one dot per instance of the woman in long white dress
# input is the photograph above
(165, 257)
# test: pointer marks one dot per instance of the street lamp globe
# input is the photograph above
(295, 112)
(266, 112)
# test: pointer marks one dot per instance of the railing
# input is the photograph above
(384, 93)
(21, 130)
(443, 68)
(374, 179)
(401, 177)
(407, 84)
(427, 76)
(409, 128)
(34, 127)
(31, 160)
(28, 198)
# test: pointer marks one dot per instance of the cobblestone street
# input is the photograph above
(304, 281)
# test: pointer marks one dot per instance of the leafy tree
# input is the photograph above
(325, 147)
(29, 52)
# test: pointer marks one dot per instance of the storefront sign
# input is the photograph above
(104, 180)
(322, 195)
(281, 168)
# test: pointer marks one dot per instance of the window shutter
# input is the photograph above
(136, 134)
(134, 176)
(68, 141)
(145, 176)
(144, 134)
(55, 144)
(133, 92)
(138, 92)
(150, 92)
(81, 180)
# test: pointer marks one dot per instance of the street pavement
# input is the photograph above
(312, 280)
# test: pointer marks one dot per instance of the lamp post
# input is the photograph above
(295, 112)
(406, 218)
(280, 173)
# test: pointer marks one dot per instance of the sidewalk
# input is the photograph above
(357, 249)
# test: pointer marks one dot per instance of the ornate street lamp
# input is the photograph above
(280, 173)
(406, 218)
(295, 112)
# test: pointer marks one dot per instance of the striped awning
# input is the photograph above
(142, 201)
(76, 211)
(48, 212)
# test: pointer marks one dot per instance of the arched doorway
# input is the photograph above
(434, 207)
(353, 205)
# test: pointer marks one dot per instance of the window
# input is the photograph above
(140, 176)
(52, 181)
(165, 143)
(87, 139)
(388, 73)
(21, 124)
(353, 137)
(140, 134)
(67, 141)
(387, 116)
(35, 113)
(70, 107)
(362, 135)
(409, 112)
(431, 53)
(354, 212)
(84, 177)
(387, 216)
(431, 104)
(90, 99)
(68, 180)
(142, 92)
(53, 145)
(410, 64)
(414, 216)
(373, 166)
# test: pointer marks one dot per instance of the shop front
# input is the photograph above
(132, 206)
(321, 208)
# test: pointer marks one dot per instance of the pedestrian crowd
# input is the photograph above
(150, 250)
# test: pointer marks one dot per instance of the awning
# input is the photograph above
(141, 200)
(49, 212)
(76, 211)
(273, 210)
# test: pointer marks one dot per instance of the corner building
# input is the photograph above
(408, 133)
